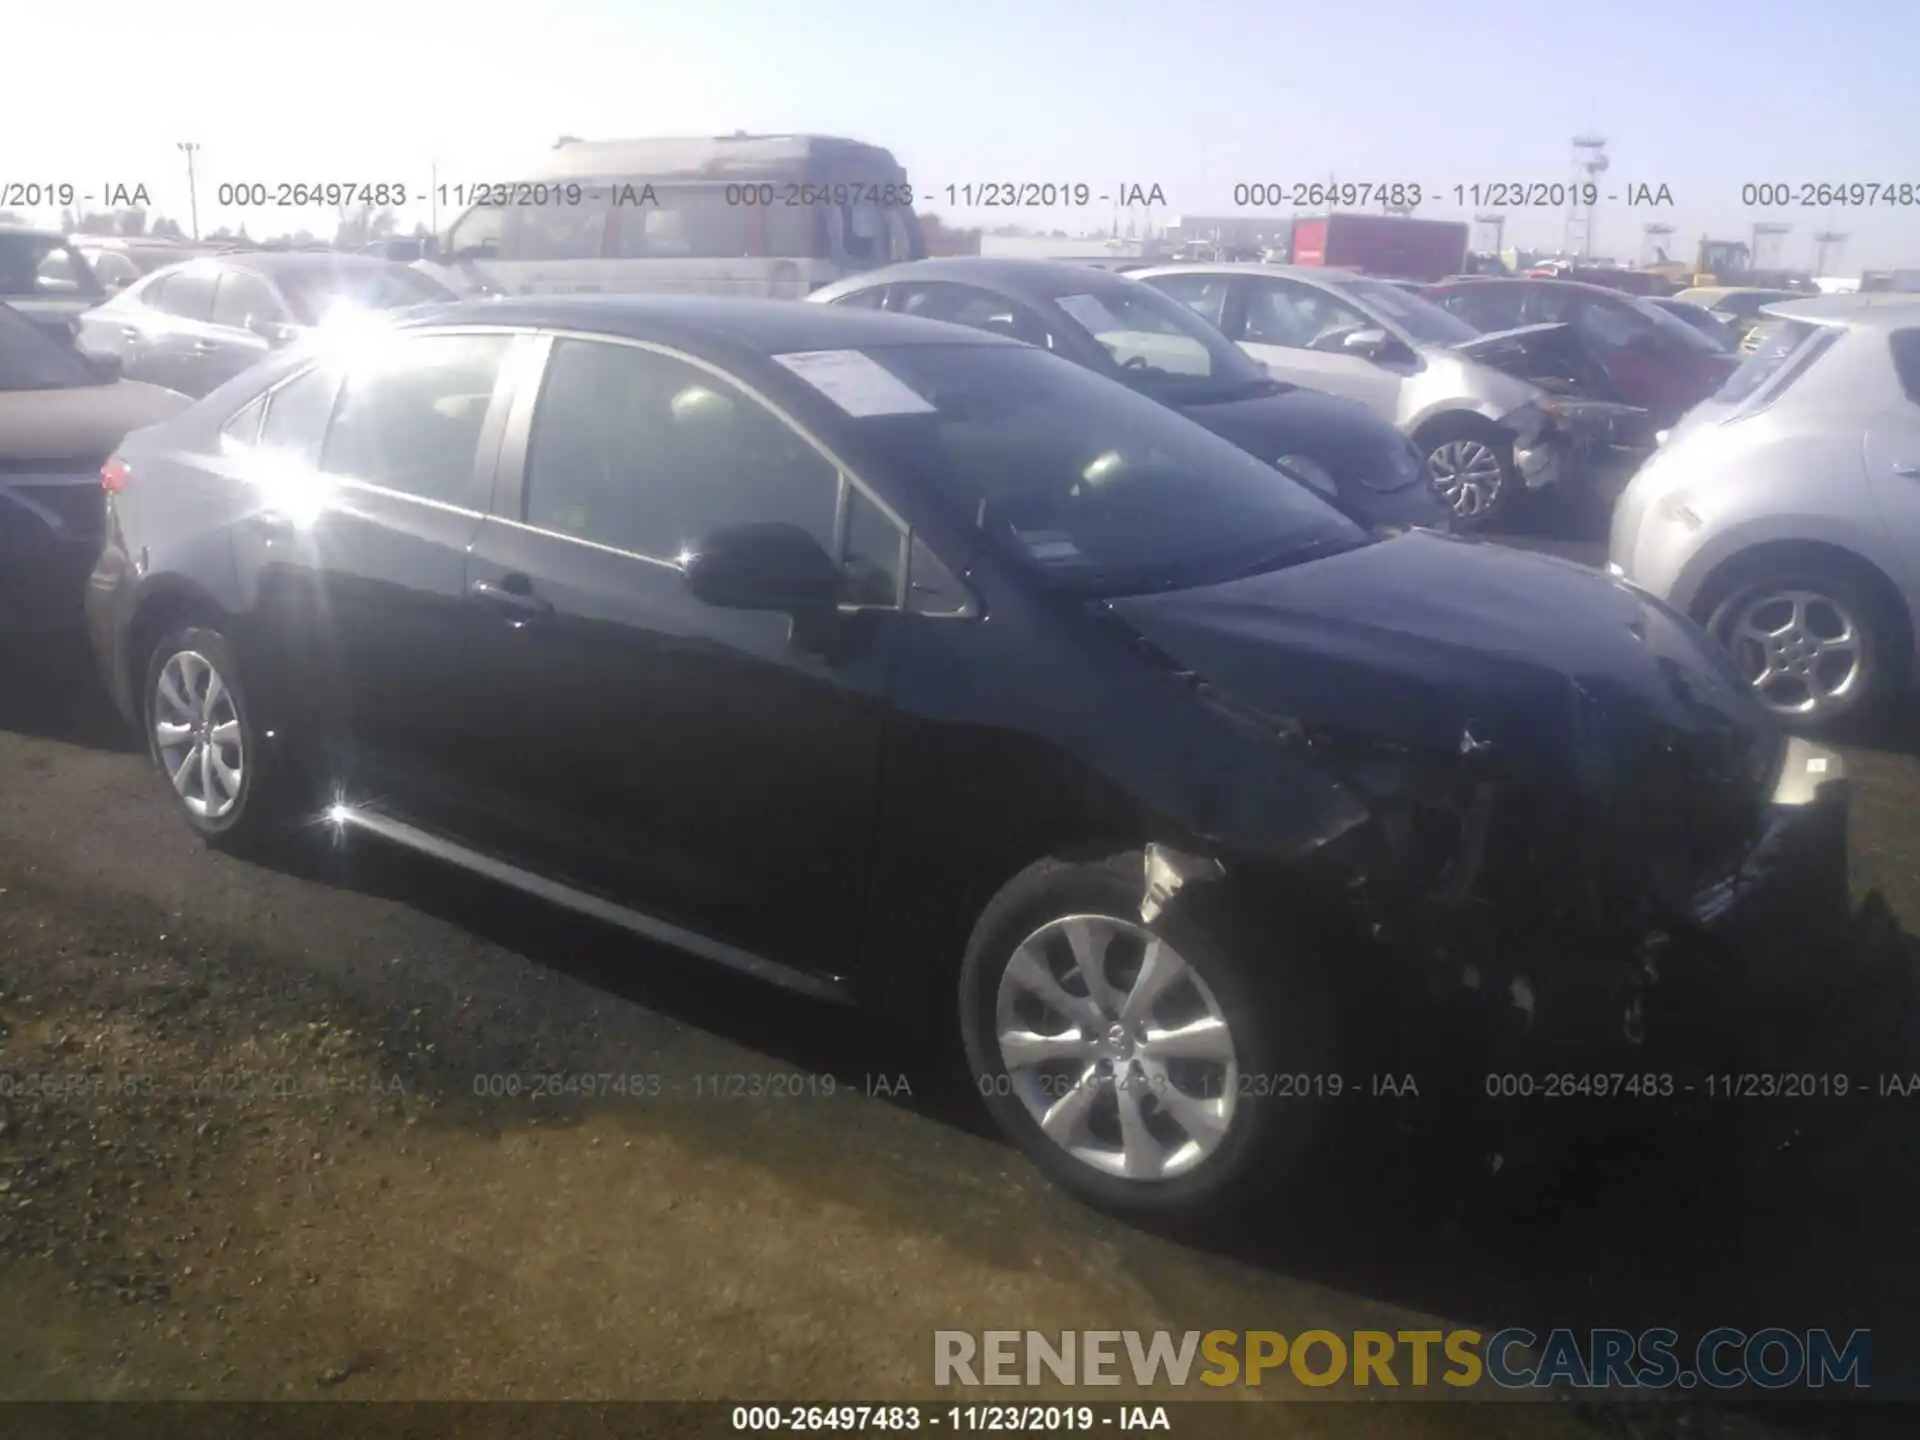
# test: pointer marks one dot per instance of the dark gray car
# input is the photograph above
(193, 327)
(1133, 334)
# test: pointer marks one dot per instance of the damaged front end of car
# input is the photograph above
(1562, 867)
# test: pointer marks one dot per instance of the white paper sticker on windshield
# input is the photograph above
(857, 384)
(1088, 310)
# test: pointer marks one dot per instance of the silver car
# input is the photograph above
(1784, 513)
(1485, 433)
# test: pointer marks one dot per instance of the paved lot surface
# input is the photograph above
(292, 1188)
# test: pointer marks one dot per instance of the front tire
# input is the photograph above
(1140, 1065)
(226, 782)
(1470, 466)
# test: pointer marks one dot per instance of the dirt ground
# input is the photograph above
(253, 1149)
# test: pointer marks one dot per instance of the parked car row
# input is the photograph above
(908, 664)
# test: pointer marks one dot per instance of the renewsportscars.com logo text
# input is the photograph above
(1511, 1359)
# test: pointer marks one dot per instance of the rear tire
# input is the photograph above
(1470, 466)
(227, 782)
(1222, 1048)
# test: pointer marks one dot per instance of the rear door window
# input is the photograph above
(1488, 308)
(410, 416)
(243, 298)
(975, 308)
(187, 295)
(1205, 295)
(296, 418)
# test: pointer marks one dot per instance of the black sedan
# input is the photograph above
(194, 326)
(61, 414)
(908, 665)
(1132, 333)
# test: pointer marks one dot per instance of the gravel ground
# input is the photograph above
(254, 1163)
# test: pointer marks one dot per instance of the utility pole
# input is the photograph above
(433, 202)
(188, 148)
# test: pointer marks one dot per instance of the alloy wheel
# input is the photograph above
(1802, 650)
(1116, 1047)
(1468, 476)
(196, 732)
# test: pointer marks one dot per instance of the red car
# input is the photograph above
(1628, 349)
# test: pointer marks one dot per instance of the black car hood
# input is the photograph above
(1447, 644)
(1381, 480)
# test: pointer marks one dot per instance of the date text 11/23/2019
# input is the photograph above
(893, 1419)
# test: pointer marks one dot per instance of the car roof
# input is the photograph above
(1721, 292)
(1874, 311)
(1583, 286)
(270, 263)
(1250, 267)
(1043, 279)
(771, 327)
(39, 232)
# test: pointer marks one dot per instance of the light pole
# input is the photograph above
(187, 148)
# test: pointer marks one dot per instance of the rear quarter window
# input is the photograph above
(1783, 357)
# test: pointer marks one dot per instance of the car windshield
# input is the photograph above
(1161, 346)
(1670, 327)
(1425, 321)
(1094, 488)
(313, 290)
(30, 359)
(1777, 349)
(45, 267)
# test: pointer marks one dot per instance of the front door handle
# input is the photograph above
(511, 595)
(1911, 472)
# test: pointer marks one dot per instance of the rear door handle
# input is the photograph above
(1912, 472)
(513, 595)
(204, 346)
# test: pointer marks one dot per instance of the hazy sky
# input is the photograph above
(1194, 96)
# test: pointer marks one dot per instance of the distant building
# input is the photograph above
(1232, 232)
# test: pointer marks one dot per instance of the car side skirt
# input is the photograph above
(386, 827)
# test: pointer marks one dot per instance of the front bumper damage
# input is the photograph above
(1592, 446)
(1464, 964)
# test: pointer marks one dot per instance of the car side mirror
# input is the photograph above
(430, 247)
(1369, 344)
(107, 367)
(764, 566)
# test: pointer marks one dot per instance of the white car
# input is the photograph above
(1486, 433)
(1784, 513)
